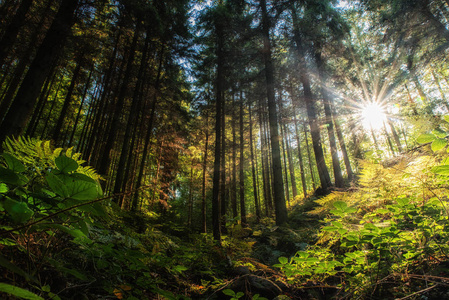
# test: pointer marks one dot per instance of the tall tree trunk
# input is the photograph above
(309, 156)
(265, 165)
(203, 188)
(153, 107)
(395, 135)
(21, 109)
(311, 110)
(339, 182)
(21, 67)
(341, 141)
(67, 101)
(80, 108)
(224, 193)
(100, 106)
(11, 32)
(234, 162)
(118, 110)
(121, 170)
(301, 162)
(219, 99)
(284, 158)
(241, 166)
(41, 103)
(291, 168)
(278, 186)
(253, 169)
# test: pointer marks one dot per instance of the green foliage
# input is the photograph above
(395, 224)
(18, 292)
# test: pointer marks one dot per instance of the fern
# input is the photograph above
(39, 155)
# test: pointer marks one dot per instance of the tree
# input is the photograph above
(51, 47)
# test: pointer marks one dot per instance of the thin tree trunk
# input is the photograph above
(290, 164)
(118, 111)
(203, 192)
(253, 169)
(149, 130)
(121, 167)
(341, 141)
(339, 182)
(241, 164)
(80, 108)
(309, 156)
(21, 109)
(301, 162)
(278, 186)
(234, 162)
(67, 101)
(219, 89)
(11, 32)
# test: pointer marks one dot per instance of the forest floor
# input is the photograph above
(386, 238)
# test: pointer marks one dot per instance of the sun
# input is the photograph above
(373, 115)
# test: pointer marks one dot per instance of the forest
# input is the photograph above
(224, 149)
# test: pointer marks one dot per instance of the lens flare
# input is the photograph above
(373, 116)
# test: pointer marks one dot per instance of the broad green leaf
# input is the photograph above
(425, 138)
(342, 231)
(350, 210)
(446, 118)
(229, 292)
(18, 211)
(337, 224)
(438, 144)
(8, 176)
(329, 228)
(82, 190)
(403, 201)
(340, 205)
(57, 185)
(18, 292)
(76, 233)
(283, 260)
(3, 188)
(439, 133)
(66, 164)
(370, 226)
(239, 295)
(13, 163)
(441, 170)
(382, 211)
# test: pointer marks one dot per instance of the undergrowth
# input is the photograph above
(386, 239)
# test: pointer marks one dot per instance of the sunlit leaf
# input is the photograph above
(425, 138)
(3, 188)
(441, 170)
(18, 292)
(438, 144)
(229, 292)
(439, 133)
(66, 164)
(283, 260)
(340, 205)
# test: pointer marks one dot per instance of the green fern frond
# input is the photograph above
(34, 152)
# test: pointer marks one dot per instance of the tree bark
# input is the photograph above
(118, 110)
(253, 169)
(21, 109)
(11, 32)
(241, 166)
(278, 184)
